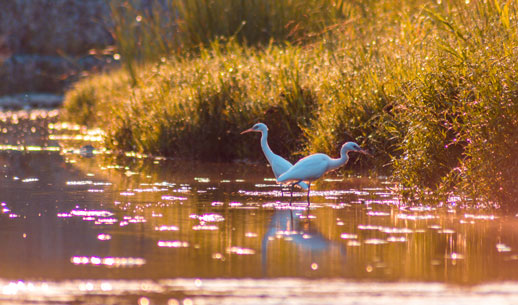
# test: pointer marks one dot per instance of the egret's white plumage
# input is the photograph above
(315, 166)
(279, 164)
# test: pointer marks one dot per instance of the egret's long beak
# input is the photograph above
(248, 130)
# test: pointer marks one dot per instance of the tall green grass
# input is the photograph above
(429, 87)
(146, 30)
(257, 21)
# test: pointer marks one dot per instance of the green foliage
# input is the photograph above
(430, 88)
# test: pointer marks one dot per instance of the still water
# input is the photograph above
(86, 226)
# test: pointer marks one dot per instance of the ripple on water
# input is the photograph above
(308, 216)
(210, 217)
(202, 179)
(369, 227)
(378, 213)
(205, 228)
(91, 213)
(396, 239)
(416, 217)
(172, 244)
(235, 204)
(115, 262)
(106, 221)
(480, 217)
(103, 236)
(455, 256)
(348, 236)
(28, 180)
(150, 190)
(374, 241)
(353, 243)
(255, 291)
(240, 251)
(135, 219)
(396, 230)
(166, 228)
(80, 182)
(502, 248)
(173, 198)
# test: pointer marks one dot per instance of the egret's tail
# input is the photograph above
(286, 179)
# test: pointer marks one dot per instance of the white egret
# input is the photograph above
(312, 167)
(279, 164)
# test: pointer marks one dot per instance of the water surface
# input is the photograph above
(92, 227)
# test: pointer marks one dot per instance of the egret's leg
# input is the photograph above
(309, 187)
(292, 186)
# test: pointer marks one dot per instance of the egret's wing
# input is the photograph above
(307, 169)
(279, 165)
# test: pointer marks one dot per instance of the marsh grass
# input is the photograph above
(429, 88)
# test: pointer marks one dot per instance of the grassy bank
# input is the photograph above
(431, 88)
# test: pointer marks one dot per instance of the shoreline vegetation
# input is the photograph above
(430, 88)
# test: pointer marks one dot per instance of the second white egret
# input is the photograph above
(315, 166)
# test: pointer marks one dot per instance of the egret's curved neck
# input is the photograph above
(264, 145)
(336, 163)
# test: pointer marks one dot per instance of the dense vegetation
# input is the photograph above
(429, 87)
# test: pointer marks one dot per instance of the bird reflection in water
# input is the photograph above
(295, 226)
